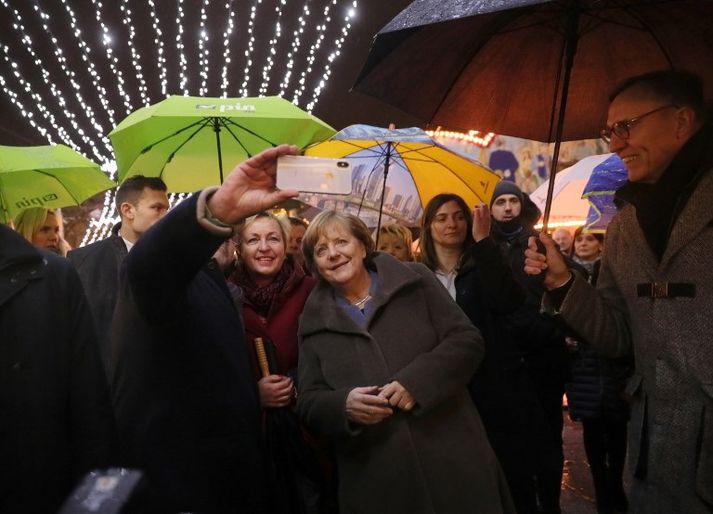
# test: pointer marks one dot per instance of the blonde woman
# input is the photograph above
(42, 228)
(396, 240)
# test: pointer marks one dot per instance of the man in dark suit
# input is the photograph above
(185, 397)
(141, 202)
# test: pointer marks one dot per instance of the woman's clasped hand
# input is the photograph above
(372, 404)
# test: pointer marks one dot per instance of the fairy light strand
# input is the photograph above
(111, 58)
(15, 100)
(180, 47)
(311, 56)
(296, 42)
(97, 80)
(230, 25)
(271, 51)
(39, 103)
(327, 71)
(203, 50)
(158, 41)
(481, 139)
(135, 57)
(251, 48)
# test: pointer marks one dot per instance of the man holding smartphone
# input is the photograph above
(186, 403)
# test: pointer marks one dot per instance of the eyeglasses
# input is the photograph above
(621, 128)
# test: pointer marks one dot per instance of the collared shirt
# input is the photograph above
(129, 244)
(448, 279)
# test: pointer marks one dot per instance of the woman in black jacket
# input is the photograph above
(456, 246)
(595, 396)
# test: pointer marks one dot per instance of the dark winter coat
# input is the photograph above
(596, 387)
(185, 395)
(502, 388)
(434, 459)
(98, 266)
(55, 410)
(538, 336)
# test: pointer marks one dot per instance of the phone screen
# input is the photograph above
(314, 174)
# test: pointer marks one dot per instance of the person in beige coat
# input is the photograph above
(655, 290)
(385, 357)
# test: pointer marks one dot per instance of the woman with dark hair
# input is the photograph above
(595, 396)
(385, 358)
(457, 247)
(587, 250)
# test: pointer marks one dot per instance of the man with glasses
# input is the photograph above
(655, 290)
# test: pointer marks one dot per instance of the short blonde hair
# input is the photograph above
(29, 221)
(318, 226)
(281, 222)
(401, 232)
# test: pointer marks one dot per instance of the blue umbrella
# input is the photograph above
(606, 178)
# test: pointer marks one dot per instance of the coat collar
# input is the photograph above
(321, 312)
(20, 262)
(696, 215)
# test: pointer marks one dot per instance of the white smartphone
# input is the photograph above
(314, 174)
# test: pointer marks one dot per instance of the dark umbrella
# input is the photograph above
(535, 69)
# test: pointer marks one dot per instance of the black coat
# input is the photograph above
(596, 387)
(98, 267)
(538, 336)
(502, 388)
(55, 411)
(185, 397)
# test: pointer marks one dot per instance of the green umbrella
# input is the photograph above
(46, 176)
(193, 142)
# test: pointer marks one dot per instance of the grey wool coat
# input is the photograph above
(671, 428)
(435, 459)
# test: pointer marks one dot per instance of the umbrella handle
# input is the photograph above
(261, 356)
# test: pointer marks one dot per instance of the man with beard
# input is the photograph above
(542, 344)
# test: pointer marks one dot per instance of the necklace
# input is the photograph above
(359, 304)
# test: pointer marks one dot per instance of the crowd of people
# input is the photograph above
(249, 363)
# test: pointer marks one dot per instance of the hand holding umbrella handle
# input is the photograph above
(250, 187)
(551, 262)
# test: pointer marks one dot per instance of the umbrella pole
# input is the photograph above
(216, 129)
(387, 162)
(4, 210)
(570, 50)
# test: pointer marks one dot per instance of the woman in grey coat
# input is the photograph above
(385, 358)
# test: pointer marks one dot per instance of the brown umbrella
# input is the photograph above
(535, 69)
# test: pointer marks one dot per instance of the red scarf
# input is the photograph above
(261, 297)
